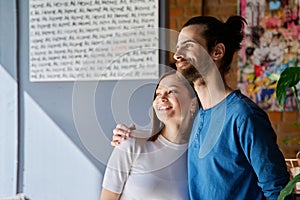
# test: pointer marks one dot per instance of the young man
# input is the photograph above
(232, 150)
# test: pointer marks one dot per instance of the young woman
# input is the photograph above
(155, 168)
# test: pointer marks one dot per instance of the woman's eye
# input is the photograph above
(172, 92)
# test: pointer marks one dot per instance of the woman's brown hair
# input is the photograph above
(157, 125)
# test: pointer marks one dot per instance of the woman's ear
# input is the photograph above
(218, 52)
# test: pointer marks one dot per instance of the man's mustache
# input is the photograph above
(173, 65)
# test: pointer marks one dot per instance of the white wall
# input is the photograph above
(8, 133)
(8, 99)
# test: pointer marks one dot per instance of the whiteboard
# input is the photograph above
(82, 40)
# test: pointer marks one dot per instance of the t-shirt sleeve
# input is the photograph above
(119, 166)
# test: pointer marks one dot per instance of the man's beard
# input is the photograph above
(192, 75)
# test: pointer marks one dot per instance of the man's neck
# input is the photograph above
(212, 94)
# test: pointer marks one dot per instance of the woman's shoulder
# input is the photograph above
(136, 142)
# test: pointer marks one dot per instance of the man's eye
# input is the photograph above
(188, 45)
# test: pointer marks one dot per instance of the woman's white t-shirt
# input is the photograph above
(141, 169)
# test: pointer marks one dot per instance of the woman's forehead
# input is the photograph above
(171, 80)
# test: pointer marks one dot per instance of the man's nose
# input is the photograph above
(178, 55)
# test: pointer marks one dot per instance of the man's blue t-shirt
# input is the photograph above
(233, 153)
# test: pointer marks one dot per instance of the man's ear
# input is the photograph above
(218, 52)
(194, 105)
